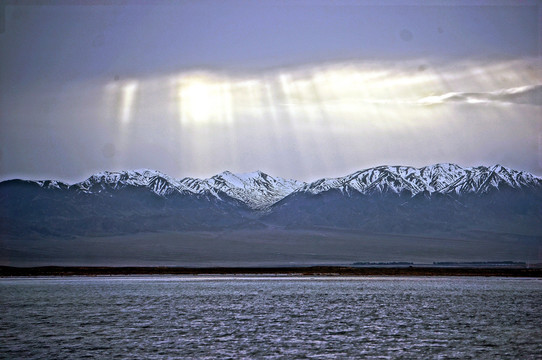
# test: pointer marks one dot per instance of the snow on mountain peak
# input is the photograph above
(51, 184)
(158, 182)
(259, 190)
(442, 178)
(256, 189)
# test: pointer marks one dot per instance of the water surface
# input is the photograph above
(270, 317)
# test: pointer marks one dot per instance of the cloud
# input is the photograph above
(531, 95)
(304, 122)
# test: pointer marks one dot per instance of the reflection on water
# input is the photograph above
(271, 317)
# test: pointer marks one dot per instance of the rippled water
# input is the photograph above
(234, 317)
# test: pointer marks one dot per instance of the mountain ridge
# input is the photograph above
(441, 178)
(442, 212)
(260, 191)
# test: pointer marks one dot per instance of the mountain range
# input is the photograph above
(378, 198)
(438, 201)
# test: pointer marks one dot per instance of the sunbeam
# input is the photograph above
(128, 92)
(323, 116)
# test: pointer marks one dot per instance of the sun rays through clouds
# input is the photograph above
(323, 115)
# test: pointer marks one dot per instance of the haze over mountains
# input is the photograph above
(420, 205)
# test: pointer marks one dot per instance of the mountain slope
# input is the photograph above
(439, 178)
(437, 199)
(442, 198)
(257, 190)
(28, 209)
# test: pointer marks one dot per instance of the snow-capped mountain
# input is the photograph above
(441, 198)
(256, 189)
(439, 178)
(156, 181)
(260, 191)
(479, 208)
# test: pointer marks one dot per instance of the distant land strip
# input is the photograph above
(8, 271)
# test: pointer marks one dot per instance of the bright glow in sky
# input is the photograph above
(427, 113)
(300, 91)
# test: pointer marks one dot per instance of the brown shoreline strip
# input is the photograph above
(8, 271)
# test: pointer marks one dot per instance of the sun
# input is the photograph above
(203, 99)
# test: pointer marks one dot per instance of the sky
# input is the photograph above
(297, 89)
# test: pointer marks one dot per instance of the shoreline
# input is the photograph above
(9, 271)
